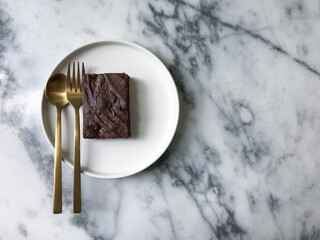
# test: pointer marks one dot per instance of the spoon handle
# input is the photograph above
(76, 164)
(57, 186)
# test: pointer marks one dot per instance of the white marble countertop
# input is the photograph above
(244, 163)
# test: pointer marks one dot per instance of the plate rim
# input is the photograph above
(176, 117)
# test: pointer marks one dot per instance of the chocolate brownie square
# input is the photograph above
(106, 112)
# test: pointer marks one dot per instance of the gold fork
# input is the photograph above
(74, 96)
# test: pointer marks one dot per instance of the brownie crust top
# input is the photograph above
(106, 112)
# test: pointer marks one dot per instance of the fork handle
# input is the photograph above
(76, 173)
(57, 186)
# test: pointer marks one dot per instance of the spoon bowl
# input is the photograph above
(56, 89)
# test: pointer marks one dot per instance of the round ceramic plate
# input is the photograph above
(154, 111)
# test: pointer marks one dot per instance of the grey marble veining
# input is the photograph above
(244, 163)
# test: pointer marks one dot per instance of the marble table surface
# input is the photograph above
(244, 163)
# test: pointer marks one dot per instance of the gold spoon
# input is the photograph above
(56, 94)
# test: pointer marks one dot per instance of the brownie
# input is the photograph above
(106, 112)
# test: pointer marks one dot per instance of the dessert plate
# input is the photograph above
(154, 107)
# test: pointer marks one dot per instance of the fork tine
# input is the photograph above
(83, 71)
(78, 78)
(74, 77)
(68, 77)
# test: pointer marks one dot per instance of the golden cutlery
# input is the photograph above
(74, 96)
(56, 89)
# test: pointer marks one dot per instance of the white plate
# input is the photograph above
(154, 111)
